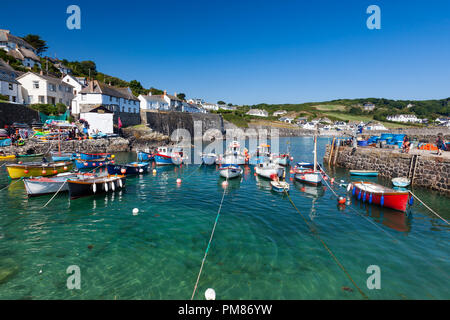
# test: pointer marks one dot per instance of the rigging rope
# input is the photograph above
(209, 243)
(327, 248)
(12, 184)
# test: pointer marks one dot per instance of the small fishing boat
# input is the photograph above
(92, 156)
(230, 171)
(401, 182)
(91, 164)
(178, 156)
(234, 155)
(128, 169)
(163, 156)
(368, 173)
(62, 156)
(32, 155)
(43, 185)
(303, 166)
(279, 186)
(87, 186)
(284, 159)
(261, 154)
(312, 175)
(37, 169)
(7, 157)
(268, 169)
(144, 156)
(377, 194)
(208, 158)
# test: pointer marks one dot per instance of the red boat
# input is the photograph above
(377, 194)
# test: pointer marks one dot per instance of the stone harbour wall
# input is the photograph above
(431, 172)
(10, 113)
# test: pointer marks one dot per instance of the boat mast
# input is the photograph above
(315, 152)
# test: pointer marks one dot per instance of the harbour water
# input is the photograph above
(262, 248)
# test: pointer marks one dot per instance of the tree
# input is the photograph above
(230, 104)
(182, 96)
(37, 43)
(137, 88)
(221, 102)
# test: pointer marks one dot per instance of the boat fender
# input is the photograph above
(349, 187)
(411, 201)
(106, 186)
(113, 186)
(382, 200)
(141, 170)
(120, 183)
(123, 170)
(364, 196)
(94, 188)
(354, 191)
(359, 195)
(341, 200)
(370, 199)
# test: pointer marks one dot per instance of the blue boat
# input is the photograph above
(144, 156)
(92, 156)
(62, 156)
(163, 157)
(91, 164)
(367, 173)
(128, 169)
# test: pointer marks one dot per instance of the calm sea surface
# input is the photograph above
(262, 248)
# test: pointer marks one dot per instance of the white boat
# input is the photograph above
(401, 182)
(209, 158)
(269, 169)
(279, 186)
(43, 185)
(311, 176)
(233, 155)
(261, 154)
(177, 156)
(230, 171)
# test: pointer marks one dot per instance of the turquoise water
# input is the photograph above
(262, 248)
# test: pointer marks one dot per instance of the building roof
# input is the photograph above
(29, 54)
(7, 73)
(156, 98)
(95, 109)
(5, 35)
(16, 54)
(102, 88)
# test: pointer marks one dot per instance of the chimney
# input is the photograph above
(175, 95)
(41, 73)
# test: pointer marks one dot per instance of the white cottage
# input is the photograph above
(258, 113)
(40, 88)
(19, 49)
(8, 84)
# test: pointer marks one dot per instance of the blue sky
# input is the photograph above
(248, 52)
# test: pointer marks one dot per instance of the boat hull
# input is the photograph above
(312, 178)
(42, 186)
(16, 171)
(209, 159)
(284, 161)
(7, 157)
(269, 172)
(90, 164)
(130, 169)
(390, 199)
(230, 172)
(163, 160)
(92, 156)
(366, 173)
(64, 156)
(144, 156)
(84, 188)
(279, 187)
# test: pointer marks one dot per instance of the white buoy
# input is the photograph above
(113, 186)
(141, 170)
(135, 211)
(178, 180)
(94, 188)
(154, 171)
(210, 294)
(225, 184)
(120, 183)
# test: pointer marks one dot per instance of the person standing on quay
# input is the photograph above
(440, 145)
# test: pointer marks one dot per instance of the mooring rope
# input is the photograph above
(12, 184)
(54, 194)
(327, 248)
(428, 207)
(209, 243)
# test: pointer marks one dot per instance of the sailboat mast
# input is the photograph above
(315, 152)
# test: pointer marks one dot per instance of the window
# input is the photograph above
(110, 98)
(10, 85)
(36, 84)
(60, 88)
(13, 98)
(83, 97)
(41, 99)
(51, 87)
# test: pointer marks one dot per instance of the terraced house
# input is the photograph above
(40, 88)
(19, 49)
(9, 86)
(100, 94)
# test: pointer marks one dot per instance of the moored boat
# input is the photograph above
(92, 156)
(91, 164)
(401, 182)
(261, 154)
(279, 186)
(7, 157)
(178, 156)
(208, 158)
(37, 169)
(62, 156)
(31, 155)
(230, 171)
(129, 168)
(87, 186)
(144, 156)
(163, 156)
(307, 174)
(373, 193)
(284, 159)
(368, 173)
(268, 169)
(234, 155)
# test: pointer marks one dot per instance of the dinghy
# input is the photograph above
(128, 169)
(37, 169)
(178, 157)
(91, 164)
(279, 186)
(377, 194)
(261, 154)
(310, 175)
(144, 156)
(230, 171)
(62, 156)
(87, 186)
(401, 182)
(368, 173)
